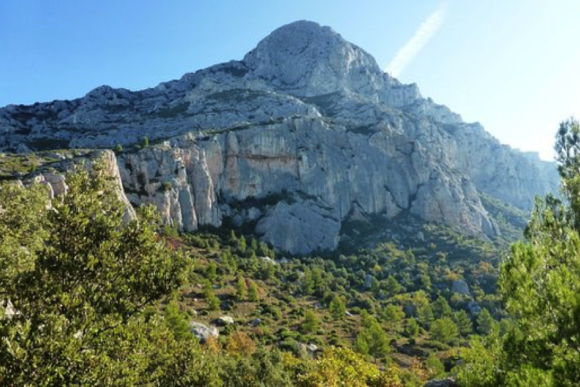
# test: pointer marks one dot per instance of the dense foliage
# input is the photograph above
(539, 285)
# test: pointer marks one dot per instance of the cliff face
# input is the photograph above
(302, 134)
(54, 176)
(299, 179)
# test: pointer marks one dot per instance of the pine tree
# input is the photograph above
(393, 314)
(242, 245)
(485, 322)
(177, 322)
(372, 339)
(241, 289)
(434, 366)
(463, 322)
(425, 315)
(233, 239)
(441, 308)
(337, 308)
(307, 282)
(211, 273)
(412, 328)
(253, 294)
(444, 330)
(212, 301)
(310, 323)
(392, 287)
(317, 280)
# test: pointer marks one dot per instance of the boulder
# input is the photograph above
(474, 308)
(224, 320)
(460, 286)
(202, 331)
(447, 382)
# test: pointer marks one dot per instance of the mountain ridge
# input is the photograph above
(306, 116)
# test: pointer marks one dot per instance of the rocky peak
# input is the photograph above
(308, 60)
(302, 136)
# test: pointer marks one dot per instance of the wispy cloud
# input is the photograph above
(421, 37)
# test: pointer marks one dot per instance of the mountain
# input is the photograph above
(303, 135)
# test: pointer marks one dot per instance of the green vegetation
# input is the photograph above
(145, 142)
(539, 286)
(82, 294)
(17, 165)
(101, 302)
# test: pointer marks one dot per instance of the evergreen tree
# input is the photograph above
(441, 308)
(463, 322)
(307, 282)
(485, 322)
(435, 366)
(213, 302)
(310, 323)
(242, 246)
(177, 322)
(539, 284)
(211, 272)
(233, 239)
(425, 315)
(24, 227)
(372, 339)
(317, 279)
(337, 308)
(412, 328)
(444, 330)
(393, 314)
(253, 294)
(392, 287)
(254, 245)
(241, 289)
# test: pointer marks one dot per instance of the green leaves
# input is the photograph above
(81, 288)
(23, 228)
(337, 308)
(540, 287)
(444, 330)
(372, 339)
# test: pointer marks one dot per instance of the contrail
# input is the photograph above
(422, 36)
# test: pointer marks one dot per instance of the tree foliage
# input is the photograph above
(337, 308)
(81, 304)
(539, 284)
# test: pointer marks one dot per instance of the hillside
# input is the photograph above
(295, 218)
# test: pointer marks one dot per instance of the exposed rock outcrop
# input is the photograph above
(54, 176)
(202, 331)
(303, 134)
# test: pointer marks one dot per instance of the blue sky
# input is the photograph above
(512, 65)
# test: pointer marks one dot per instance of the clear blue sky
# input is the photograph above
(512, 65)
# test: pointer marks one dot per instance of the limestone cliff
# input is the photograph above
(54, 176)
(302, 134)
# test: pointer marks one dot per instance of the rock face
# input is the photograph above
(303, 134)
(54, 176)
